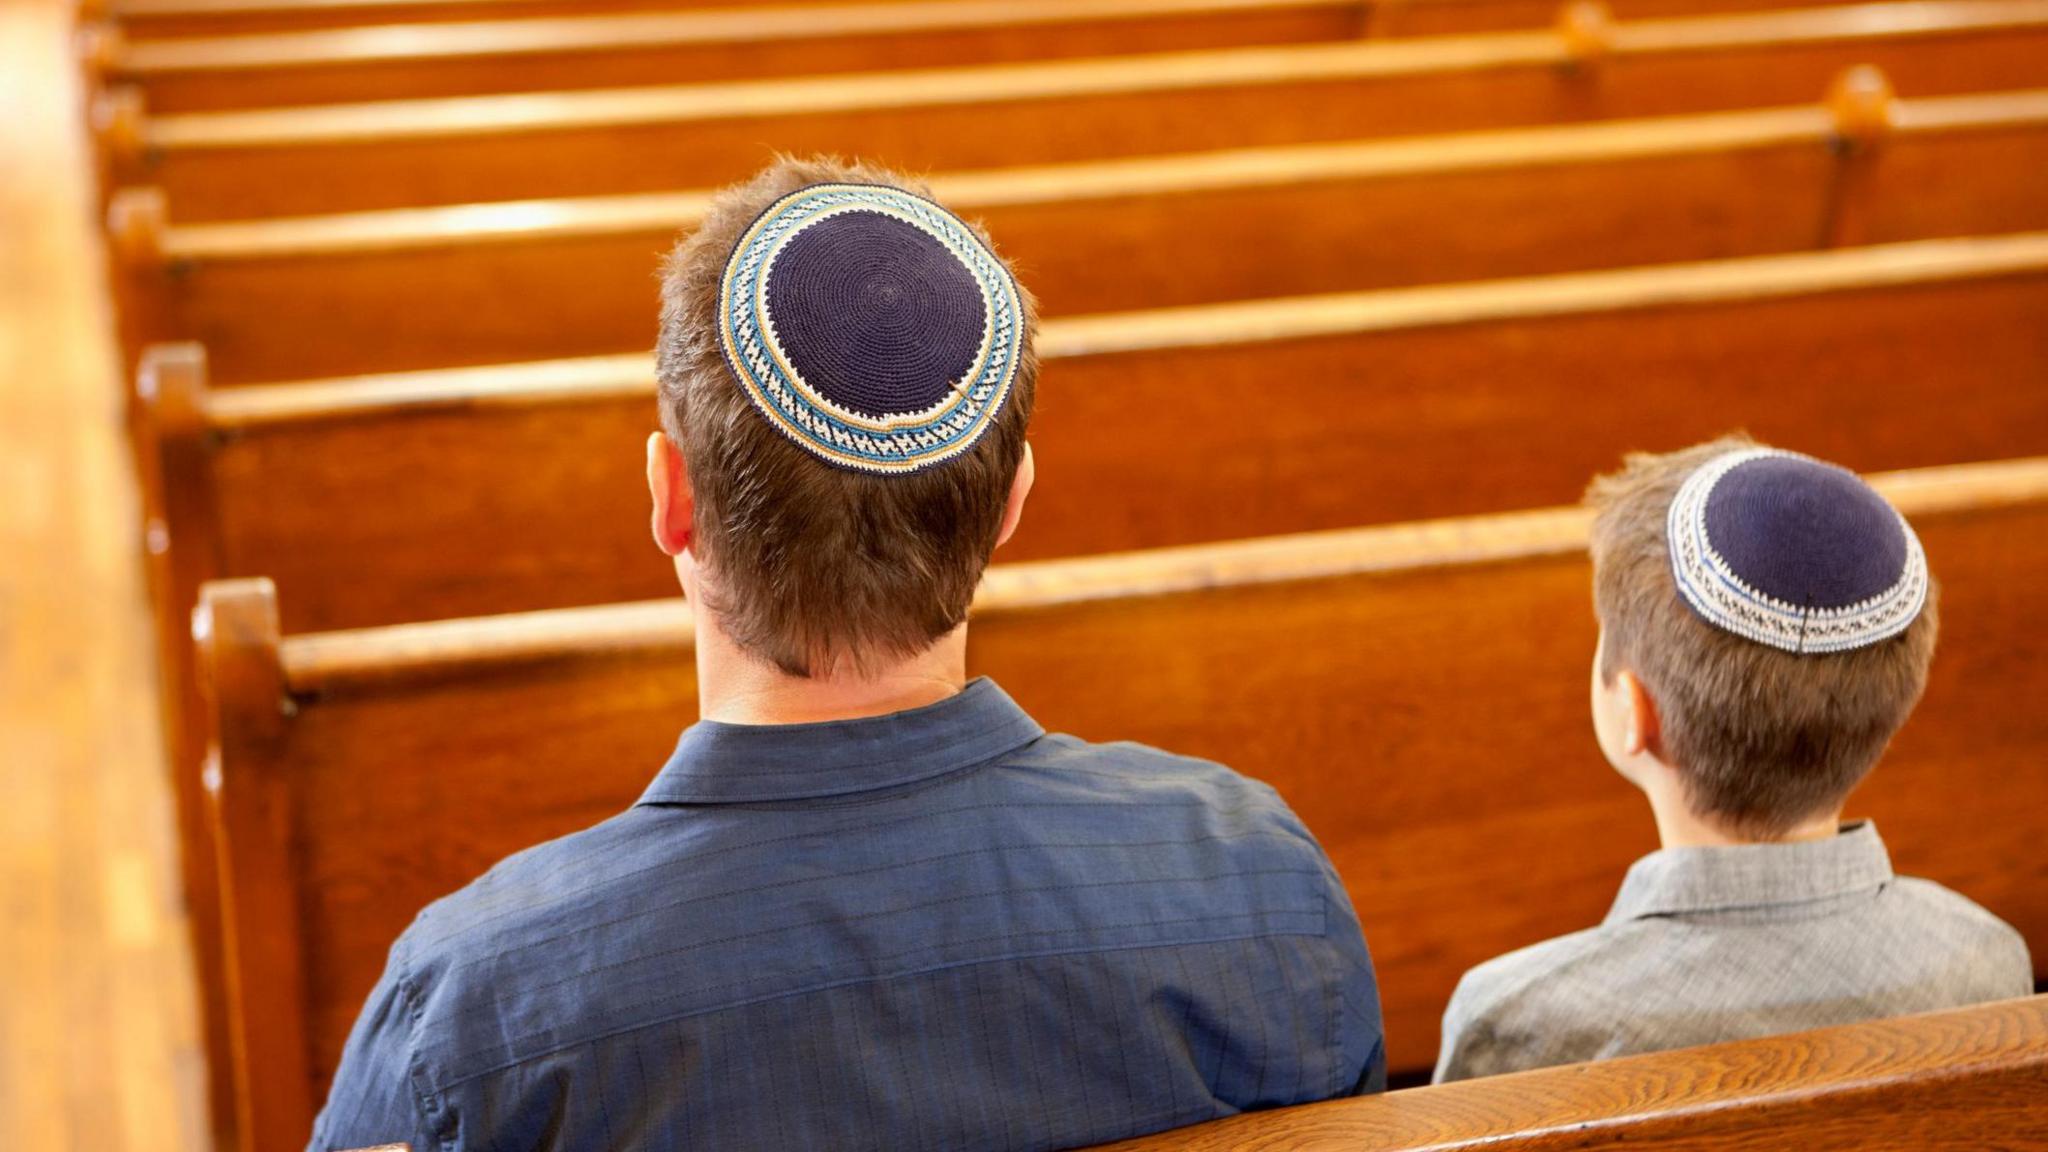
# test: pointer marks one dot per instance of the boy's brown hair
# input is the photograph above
(1763, 739)
(808, 566)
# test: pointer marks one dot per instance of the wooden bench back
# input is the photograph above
(431, 288)
(227, 165)
(1372, 408)
(1963, 1080)
(610, 50)
(144, 20)
(1419, 698)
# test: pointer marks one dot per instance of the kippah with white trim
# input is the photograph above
(870, 326)
(1795, 553)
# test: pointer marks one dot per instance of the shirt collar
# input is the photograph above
(1679, 880)
(718, 763)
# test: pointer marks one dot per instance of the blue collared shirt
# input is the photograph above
(938, 929)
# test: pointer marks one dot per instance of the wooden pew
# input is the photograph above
(224, 165)
(150, 20)
(1963, 1080)
(1360, 672)
(1859, 354)
(618, 50)
(421, 288)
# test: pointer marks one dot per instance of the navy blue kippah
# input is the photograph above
(870, 326)
(1795, 553)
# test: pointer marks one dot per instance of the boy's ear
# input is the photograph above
(1640, 726)
(668, 482)
(1020, 490)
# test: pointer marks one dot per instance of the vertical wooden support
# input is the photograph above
(1861, 102)
(115, 117)
(236, 632)
(1586, 28)
(136, 272)
(1380, 19)
(172, 443)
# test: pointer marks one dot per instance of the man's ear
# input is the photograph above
(1020, 490)
(668, 482)
(1640, 724)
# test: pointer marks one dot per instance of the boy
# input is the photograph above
(1767, 621)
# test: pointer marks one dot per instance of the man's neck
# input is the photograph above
(735, 688)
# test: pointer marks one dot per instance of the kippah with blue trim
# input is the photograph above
(870, 326)
(1795, 553)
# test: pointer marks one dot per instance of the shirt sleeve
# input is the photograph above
(373, 1100)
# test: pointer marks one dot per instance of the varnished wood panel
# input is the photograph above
(230, 165)
(1427, 721)
(196, 18)
(338, 314)
(1253, 438)
(585, 51)
(386, 298)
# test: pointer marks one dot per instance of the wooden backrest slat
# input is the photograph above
(1761, 278)
(600, 50)
(1960, 1079)
(1450, 854)
(401, 154)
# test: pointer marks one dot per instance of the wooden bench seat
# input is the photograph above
(426, 288)
(1962, 1080)
(1387, 661)
(618, 50)
(226, 165)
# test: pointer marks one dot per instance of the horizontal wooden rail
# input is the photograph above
(1755, 278)
(321, 662)
(402, 154)
(285, 69)
(1189, 174)
(1958, 1080)
(583, 34)
(411, 120)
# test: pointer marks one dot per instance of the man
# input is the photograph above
(867, 903)
(1767, 622)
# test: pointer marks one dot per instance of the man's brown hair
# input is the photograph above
(808, 566)
(1763, 739)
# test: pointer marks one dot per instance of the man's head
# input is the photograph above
(846, 370)
(1767, 622)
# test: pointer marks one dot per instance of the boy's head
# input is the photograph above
(847, 371)
(1767, 622)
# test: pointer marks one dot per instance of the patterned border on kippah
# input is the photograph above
(902, 442)
(1721, 598)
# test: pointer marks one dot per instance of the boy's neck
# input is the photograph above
(1678, 826)
(735, 688)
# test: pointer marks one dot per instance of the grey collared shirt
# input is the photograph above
(1711, 944)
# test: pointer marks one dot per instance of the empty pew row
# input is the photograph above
(226, 165)
(421, 288)
(151, 20)
(1377, 652)
(1538, 382)
(1966, 1079)
(603, 51)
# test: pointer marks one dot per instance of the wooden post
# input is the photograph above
(136, 221)
(1380, 19)
(236, 632)
(1861, 102)
(180, 552)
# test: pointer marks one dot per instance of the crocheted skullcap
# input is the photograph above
(870, 326)
(1795, 553)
